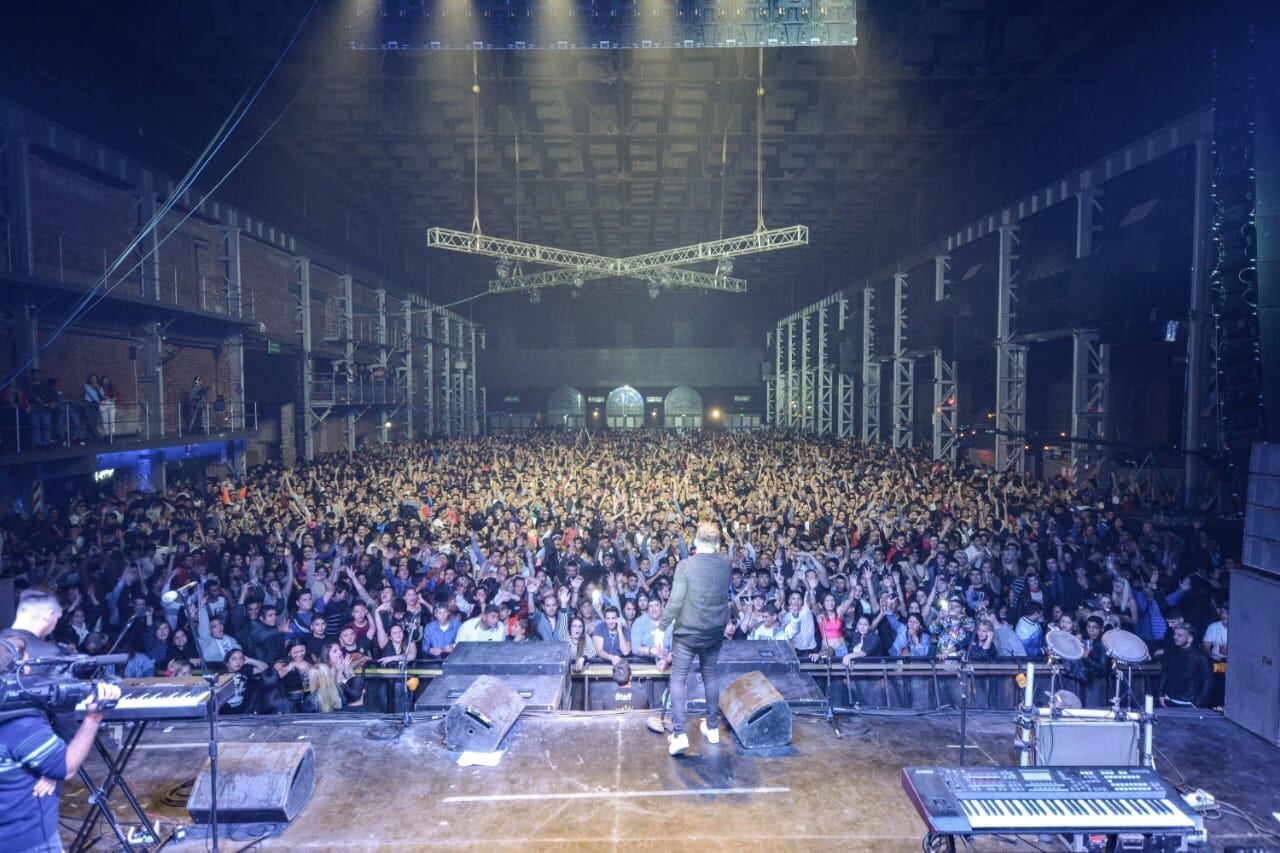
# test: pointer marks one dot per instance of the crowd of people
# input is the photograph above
(301, 580)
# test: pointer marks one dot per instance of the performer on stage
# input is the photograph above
(699, 608)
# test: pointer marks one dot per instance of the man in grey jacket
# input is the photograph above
(699, 609)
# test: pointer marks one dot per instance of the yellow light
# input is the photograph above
(715, 414)
(387, 424)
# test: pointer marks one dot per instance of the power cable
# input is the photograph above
(220, 138)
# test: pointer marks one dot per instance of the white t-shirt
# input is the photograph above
(473, 632)
(1216, 636)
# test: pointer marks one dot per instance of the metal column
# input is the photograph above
(1090, 399)
(1011, 362)
(941, 277)
(410, 421)
(431, 422)
(779, 379)
(770, 386)
(482, 395)
(944, 408)
(846, 416)
(18, 246)
(229, 263)
(458, 383)
(825, 374)
(806, 374)
(472, 397)
(312, 416)
(147, 253)
(151, 378)
(792, 415)
(870, 370)
(904, 370)
(1087, 205)
(1198, 431)
(387, 393)
(347, 326)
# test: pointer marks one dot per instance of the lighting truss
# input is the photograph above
(676, 277)
(593, 267)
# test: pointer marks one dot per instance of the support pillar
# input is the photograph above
(408, 377)
(233, 343)
(147, 252)
(779, 377)
(870, 370)
(1198, 431)
(1011, 362)
(17, 252)
(1090, 400)
(1087, 205)
(770, 386)
(904, 370)
(431, 422)
(941, 277)
(825, 375)
(944, 408)
(806, 373)
(309, 419)
(347, 325)
(793, 386)
(151, 379)
(846, 416)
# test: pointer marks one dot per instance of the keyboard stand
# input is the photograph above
(100, 796)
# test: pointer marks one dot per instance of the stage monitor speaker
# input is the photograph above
(1262, 514)
(756, 711)
(1065, 742)
(1253, 667)
(482, 716)
(257, 783)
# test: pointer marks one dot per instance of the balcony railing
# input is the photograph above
(71, 423)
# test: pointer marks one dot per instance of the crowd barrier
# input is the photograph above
(890, 683)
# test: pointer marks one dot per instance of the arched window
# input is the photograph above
(624, 408)
(682, 408)
(566, 409)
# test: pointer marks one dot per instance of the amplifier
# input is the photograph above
(1087, 738)
(509, 659)
(767, 656)
(539, 692)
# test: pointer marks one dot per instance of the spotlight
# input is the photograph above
(535, 296)
(504, 269)
(579, 281)
(724, 267)
(715, 414)
(654, 292)
(387, 424)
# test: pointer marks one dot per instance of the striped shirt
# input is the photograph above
(28, 750)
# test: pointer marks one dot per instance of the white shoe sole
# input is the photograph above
(674, 749)
(712, 735)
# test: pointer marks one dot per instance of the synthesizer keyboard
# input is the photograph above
(165, 698)
(1017, 800)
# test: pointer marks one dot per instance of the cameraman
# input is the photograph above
(33, 764)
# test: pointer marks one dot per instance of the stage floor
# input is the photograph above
(604, 782)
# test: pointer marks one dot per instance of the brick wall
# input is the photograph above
(265, 274)
(76, 222)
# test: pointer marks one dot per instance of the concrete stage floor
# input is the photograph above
(604, 782)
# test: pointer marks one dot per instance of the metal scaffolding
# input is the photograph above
(941, 277)
(826, 374)
(904, 369)
(793, 380)
(846, 415)
(944, 408)
(1090, 399)
(346, 321)
(1011, 362)
(233, 343)
(771, 382)
(807, 373)
(781, 393)
(458, 381)
(407, 365)
(870, 370)
(312, 415)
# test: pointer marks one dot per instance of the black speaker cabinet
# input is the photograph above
(756, 711)
(257, 783)
(1253, 667)
(482, 715)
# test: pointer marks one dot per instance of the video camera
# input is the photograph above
(57, 689)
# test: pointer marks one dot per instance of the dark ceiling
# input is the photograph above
(945, 109)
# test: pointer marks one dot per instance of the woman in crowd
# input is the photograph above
(294, 672)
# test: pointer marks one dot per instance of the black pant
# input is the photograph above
(682, 655)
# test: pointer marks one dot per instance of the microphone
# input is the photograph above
(173, 595)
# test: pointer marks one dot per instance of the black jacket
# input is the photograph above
(699, 604)
(1186, 676)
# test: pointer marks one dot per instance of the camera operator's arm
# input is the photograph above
(78, 749)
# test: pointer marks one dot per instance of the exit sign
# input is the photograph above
(273, 347)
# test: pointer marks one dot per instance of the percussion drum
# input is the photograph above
(1125, 647)
(1063, 645)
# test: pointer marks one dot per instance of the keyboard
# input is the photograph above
(1016, 800)
(165, 698)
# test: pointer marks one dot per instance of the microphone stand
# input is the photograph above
(211, 679)
(966, 671)
(125, 630)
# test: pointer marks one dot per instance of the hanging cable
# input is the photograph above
(475, 144)
(724, 168)
(759, 137)
(517, 124)
(95, 293)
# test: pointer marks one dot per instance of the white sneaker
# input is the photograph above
(677, 744)
(712, 735)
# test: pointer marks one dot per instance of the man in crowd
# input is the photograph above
(1185, 675)
(485, 628)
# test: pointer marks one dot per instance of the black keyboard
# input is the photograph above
(1018, 800)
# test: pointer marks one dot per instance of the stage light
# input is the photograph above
(387, 424)
(715, 414)
(504, 269)
(579, 281)
(654, 292)
(724, 267)
(535, 296)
